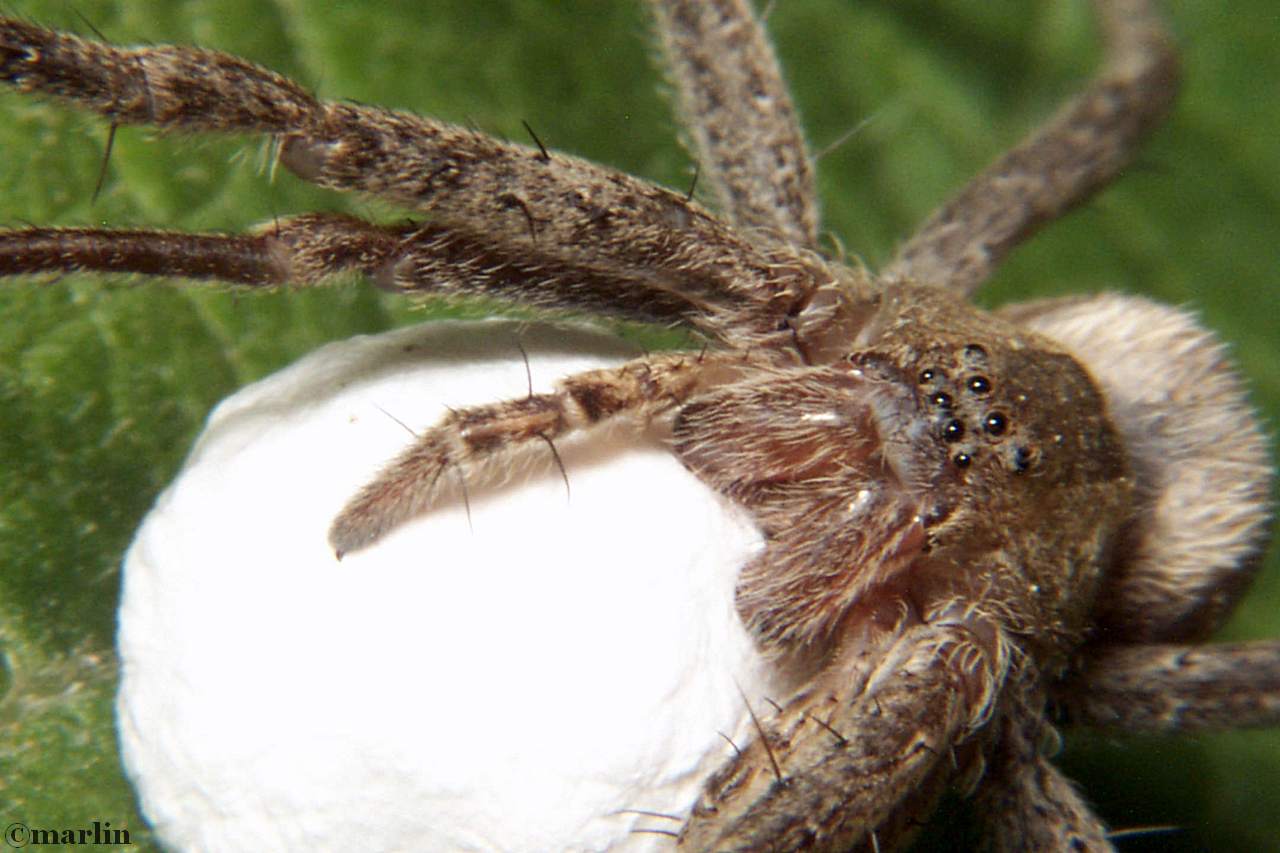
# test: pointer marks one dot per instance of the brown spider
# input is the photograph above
(964, 523)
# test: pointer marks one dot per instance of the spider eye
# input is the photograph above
(1021, 459)
(928, 375)
(962, 460)
(942, 400)
(979, 384)
(995, 423)
(953, 431)
(975, 352)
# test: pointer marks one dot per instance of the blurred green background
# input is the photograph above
(102, 388)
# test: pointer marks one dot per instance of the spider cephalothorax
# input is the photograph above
(967, 516)
(927, 458)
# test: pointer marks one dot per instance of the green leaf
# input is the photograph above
(103, 386)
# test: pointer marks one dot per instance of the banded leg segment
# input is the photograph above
(421, 259)
(1075, 155)
(1168, 689)
(1028, 805)
(839, 758)
(521, 198)
(744, 127)
(467, 439)
(235, 259)
(174, 88)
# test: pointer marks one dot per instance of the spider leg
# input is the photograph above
(741, 120)
(467, 439)
(523, 198)
(1027, 803)
(1167, 689)
(841, 755)
(422, 259)
(1082, 149)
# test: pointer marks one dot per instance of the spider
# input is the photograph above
(905, 385)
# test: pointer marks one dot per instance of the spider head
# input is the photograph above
(954, 458)
(1029, 488)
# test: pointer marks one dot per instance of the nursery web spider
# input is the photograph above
(972, 517)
